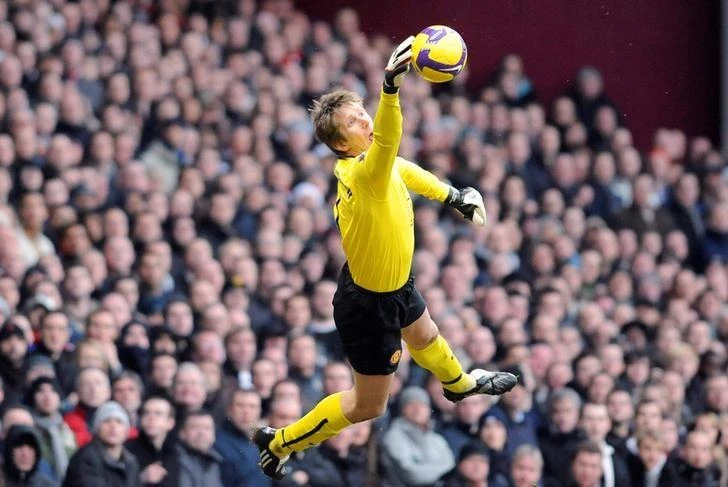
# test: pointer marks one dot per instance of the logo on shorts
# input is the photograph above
(394, 359)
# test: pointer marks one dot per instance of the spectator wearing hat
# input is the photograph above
(12, 415)
(36, 366)
(57, 441)
(13, 352)
(20, 415)
(105, 461)
(21, 459)
(412, 453)
(41, 302)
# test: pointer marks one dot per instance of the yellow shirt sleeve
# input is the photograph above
(421, 181)
(379, 159)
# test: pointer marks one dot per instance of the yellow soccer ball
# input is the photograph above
(439, 53)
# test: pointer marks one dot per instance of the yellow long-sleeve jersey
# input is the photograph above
(373, 208)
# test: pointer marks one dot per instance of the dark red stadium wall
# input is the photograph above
(660, 58)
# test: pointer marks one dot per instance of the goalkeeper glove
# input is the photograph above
(468, 203)
(398, 65)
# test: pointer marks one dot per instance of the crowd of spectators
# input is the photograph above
(168, 259)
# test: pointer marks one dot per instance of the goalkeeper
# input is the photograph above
(376, 304)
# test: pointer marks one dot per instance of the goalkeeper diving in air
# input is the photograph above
(376, 304)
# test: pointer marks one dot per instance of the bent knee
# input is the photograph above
(421, 333)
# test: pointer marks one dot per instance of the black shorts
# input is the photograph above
(370, 323)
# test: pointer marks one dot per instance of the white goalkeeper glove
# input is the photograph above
(469, 203)
(398, 65)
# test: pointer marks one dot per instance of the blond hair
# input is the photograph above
(322, 115)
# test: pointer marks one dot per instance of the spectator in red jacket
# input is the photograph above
(93, 389)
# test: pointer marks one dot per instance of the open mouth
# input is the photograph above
(371, 136)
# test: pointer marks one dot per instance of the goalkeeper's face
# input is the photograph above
(356, 128)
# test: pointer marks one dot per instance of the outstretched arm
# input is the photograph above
(379, 158)
(422, 182)
(468, 202)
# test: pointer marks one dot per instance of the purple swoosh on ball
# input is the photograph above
(423, 59)
(434, 35)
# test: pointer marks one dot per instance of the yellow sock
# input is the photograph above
(321, 423)
(439, 359)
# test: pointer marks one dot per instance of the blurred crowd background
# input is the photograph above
(168, 258)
